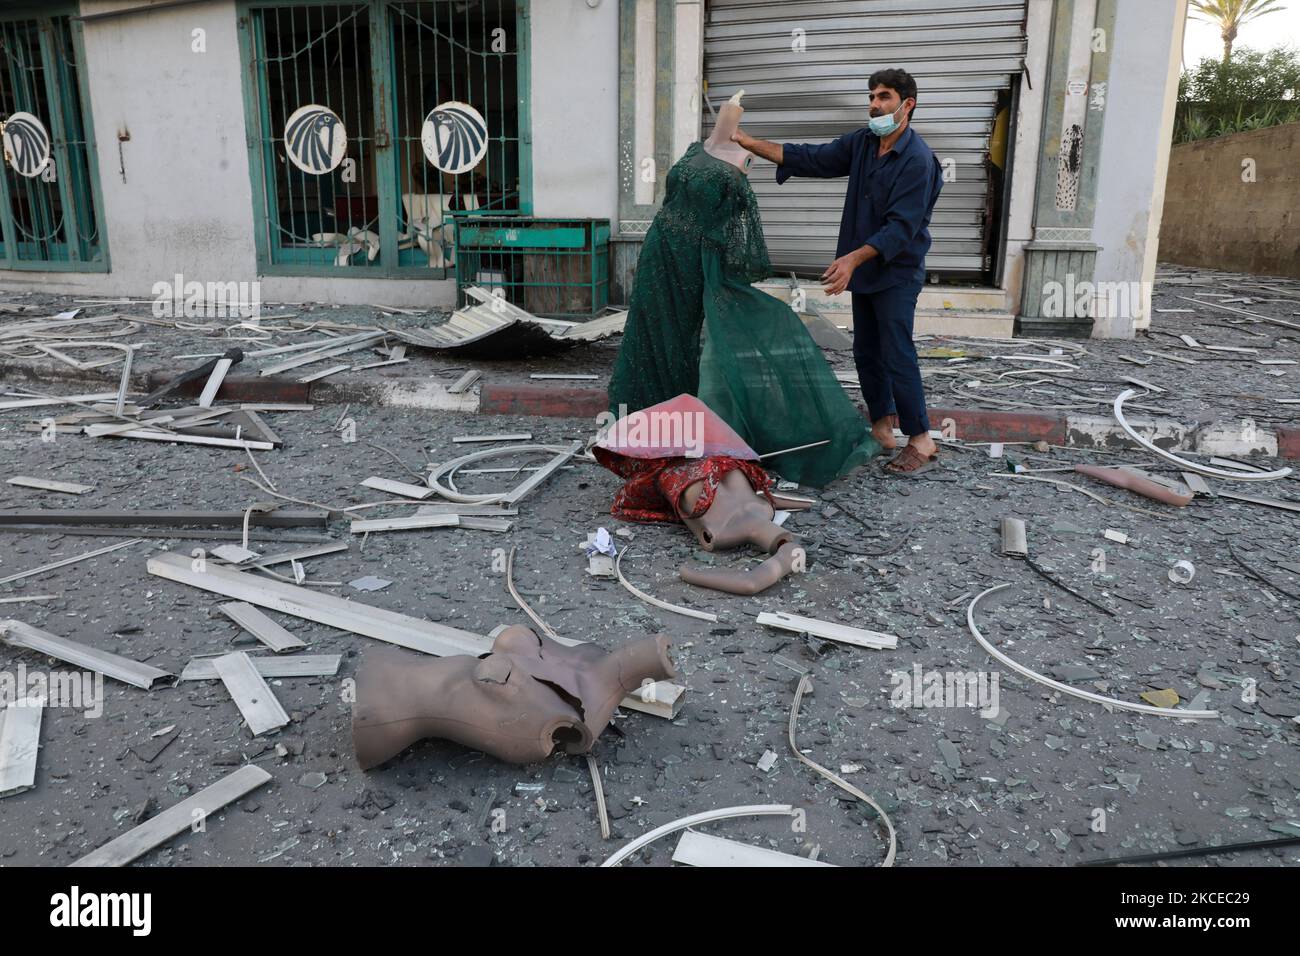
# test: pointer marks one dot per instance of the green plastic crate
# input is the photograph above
(551, 267)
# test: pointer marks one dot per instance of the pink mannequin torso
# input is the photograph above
(719, 144)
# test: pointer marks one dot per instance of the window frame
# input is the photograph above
(45, 14)
(387, 179)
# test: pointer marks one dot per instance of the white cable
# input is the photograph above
(1066, 688)
(1183, 462)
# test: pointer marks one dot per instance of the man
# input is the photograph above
(894, 181)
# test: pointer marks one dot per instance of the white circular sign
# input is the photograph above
(454, 137)
(315, 139)
(27, 144)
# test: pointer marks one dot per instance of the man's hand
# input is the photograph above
(836, 278)
(772, 152)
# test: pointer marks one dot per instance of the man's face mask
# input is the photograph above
(884, 124)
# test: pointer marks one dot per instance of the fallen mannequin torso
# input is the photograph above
(737, 516)
(530, 697)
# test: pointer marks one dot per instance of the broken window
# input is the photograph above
(374, 122)
(454, 52)
(49, 209)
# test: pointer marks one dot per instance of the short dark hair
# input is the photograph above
(900, 81)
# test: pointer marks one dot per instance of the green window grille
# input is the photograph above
(50, 205)
(355, 194)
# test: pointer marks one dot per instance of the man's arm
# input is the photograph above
(837, 275)
(772, 152)
(823, 161)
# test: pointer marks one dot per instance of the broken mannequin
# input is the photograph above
(719, 144)
(724, 512)
(681, 462)
(696, 326)
(642, 445)
(528, 698)
(728, 514)
(1136, 484)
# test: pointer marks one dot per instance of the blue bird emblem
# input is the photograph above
(26, 143)
(454, 137)
(315, 139)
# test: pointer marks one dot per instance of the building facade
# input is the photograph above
(378, 151)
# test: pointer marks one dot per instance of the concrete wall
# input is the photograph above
(1025, 150)
(184, 203)
(688, 74)
(575, 108)
(1214, 217)
(1140, 98)
(178, 197)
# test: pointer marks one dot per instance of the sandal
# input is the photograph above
(909, 463)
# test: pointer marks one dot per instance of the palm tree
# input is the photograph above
(1230, 15)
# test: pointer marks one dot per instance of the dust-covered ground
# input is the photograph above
(1043, 778)
(1049, 780)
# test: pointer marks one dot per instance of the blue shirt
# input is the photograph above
(889, 202)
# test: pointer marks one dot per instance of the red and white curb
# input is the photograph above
(1235, 438)
(1239, 438)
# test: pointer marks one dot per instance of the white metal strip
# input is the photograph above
(858, 636)
(176, 819)
(261, 627)
(111, 665)
(254, 698)
(298, 665)
(20, 736)
(405, 489)
(701, 849)
(45, 484)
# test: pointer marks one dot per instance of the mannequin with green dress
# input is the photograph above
(696, 325)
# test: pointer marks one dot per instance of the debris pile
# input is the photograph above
(1148, 653)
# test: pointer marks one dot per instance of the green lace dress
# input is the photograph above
(695, 325)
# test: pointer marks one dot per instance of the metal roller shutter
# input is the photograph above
(961, 52)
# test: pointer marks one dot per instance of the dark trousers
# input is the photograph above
(886, 358)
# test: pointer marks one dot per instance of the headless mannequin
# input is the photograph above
(719, 144)
(738, 516)
(528, 698)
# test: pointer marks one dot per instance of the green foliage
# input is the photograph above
(1250, 75)
(1255, 89)
(1194, 127)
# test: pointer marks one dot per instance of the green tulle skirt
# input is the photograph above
(695, 325)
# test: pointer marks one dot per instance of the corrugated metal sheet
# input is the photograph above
(460, 328)
(504, 329)
(596, 329)
(961, 52)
